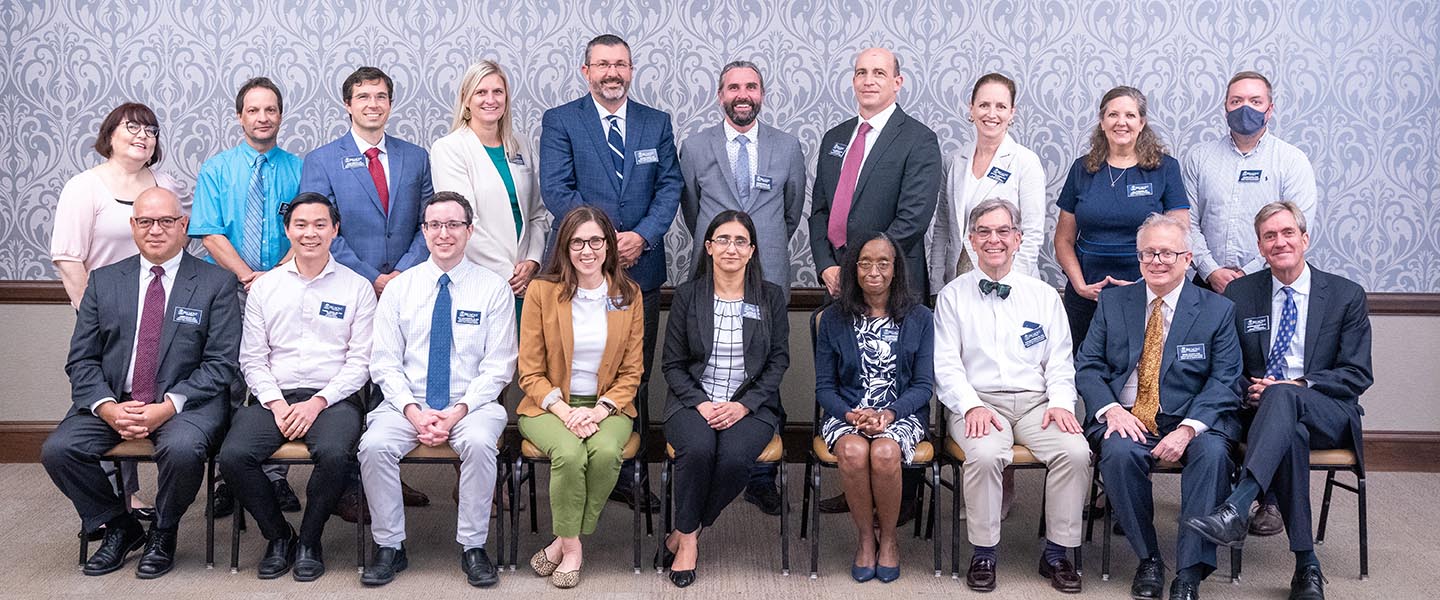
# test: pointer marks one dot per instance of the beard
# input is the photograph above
(608, 93)
(742, 120)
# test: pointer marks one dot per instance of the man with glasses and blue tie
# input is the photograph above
(444, 349)
(607, 151)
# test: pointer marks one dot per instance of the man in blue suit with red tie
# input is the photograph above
(606, 151)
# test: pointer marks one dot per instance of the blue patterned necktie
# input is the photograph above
(1275, 364)
(742, 170)
(617, 146)
(437, 375)
(252, 238)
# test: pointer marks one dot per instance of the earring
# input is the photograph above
(465, 116)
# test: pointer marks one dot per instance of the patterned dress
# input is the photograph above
(876, 336)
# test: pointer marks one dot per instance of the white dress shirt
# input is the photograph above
(482, 356)
(1295, 358)
(364, 146)
(1132, 385)
(605, 115)
(877, 124)
(587, 316)
(307, 333)
(168, 282)
(980, 342)
(732, 146)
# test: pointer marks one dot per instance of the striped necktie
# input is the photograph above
(617, 146)
(252, 239)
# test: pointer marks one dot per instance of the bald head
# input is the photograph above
(876, 79)
(159, 225)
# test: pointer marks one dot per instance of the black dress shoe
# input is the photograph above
(1308, 584)
(383, 567)
(1062, 576)
(224, 501)
(143, 514)
(309, 562)
(682, 578)
(764, 497)
(622, 494)
(279, 557)
(412, 496)
(1149, 580)
(834, 505)
(351, 509)
(1266, 520)
(159, 556)
(981, 576)
(119, 542)
(285, 496)
(1182, 589)
(479, 571)
(1226, 526)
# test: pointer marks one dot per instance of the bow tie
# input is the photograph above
(1000, 289)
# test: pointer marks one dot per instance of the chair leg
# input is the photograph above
(1105, 546)
(84, 546)
(209, 514)
(360, 545)
(805, 501)
(666, 508)
(639, 508)
(919, 506)
(814, 521)
(516, 469)
(1044, 497)
(499, 496)
(1080, 559)
(934, 504)
(784, 522)
(1094, 495)
(1325, 507)
(955, 509)
(649, 519)
(235, 540)
(1364, 524)
(1236, 561)
(534, 517)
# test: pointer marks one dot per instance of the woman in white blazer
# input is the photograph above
(496, 170)
(993, 166)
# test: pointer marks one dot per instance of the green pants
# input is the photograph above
(582, 472)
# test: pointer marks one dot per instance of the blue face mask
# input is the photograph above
(1245, 120)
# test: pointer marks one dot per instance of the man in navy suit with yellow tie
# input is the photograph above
(1159, 372)
(606, 151)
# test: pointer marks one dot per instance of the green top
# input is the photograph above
(497, 156)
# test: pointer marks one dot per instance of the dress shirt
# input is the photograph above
(311, 333)
(1295, 358)
(1132, 385)
(168, 282)
(222, 194)
(384, 155)
(980, 345)
(482, 355)
(877, 123)
(732, 146)
(587, 317)
(605, 115)
(1222, 207)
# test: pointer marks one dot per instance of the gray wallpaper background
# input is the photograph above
(1357, 86)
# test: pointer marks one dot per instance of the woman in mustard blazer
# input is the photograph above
(579, 381)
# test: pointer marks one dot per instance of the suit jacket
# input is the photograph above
(896, 192)
(459, 163)
(838, 388)
(576, 169)
(547, 347)
(1205, 386)
(690, 337)
(710, 188)
(370, 241)
(1023, 186)
(197, 360)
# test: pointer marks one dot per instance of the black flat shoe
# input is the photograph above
(279, 557)
(1226, 526)
(309, 562)
(159, 556)
(766, 498)
(682, 578)
(119, 542)
(383, 567)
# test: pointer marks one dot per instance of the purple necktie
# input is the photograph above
(845, 189)
(147, 344)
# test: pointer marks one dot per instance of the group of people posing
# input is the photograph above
(375, 282)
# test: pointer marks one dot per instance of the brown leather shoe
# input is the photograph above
(1062, 576)
(1265, 520)
(412, 496)
(981, 576)
(350, 508)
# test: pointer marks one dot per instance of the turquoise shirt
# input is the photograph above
(222, 192)
(497, 156)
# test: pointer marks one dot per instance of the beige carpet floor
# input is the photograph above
(739, 556)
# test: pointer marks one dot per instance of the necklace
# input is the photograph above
(1114, 179)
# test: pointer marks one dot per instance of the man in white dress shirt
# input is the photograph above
(445, 348)
(305, 355)
(1003, 368)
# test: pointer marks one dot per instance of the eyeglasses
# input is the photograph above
(445, 225)
(141, 128)
(739, 243)
(867, 265)
(145, 223)
(986, 233)
(606, 66)
(595, 243)
(1164, 257)
(381, 97)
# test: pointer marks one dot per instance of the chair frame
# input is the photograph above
(667, 504)
(118, 459)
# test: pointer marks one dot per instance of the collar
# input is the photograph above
(1171, 300)
(1260, 143)
(600, 293)
(878, 121)
(605, 113)
(171, 266)
(251, 153)
(731, 133)
(457, 273)
(363, 145)
(1301, 285)
(290, 266)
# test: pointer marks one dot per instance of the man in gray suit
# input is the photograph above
(152, 357)
(742, 164)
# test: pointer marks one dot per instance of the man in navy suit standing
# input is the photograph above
(606, 151)
(1159, 372)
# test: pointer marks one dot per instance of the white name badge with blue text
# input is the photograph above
(998, 174)
(838, 149)
(353, 162)
(646, 156)
(188, 316)
(1136, 190)
(467, 317)
(517, 159)
(1250, 175)
(762, 183)
(750, 311)
(1034, 336)
(1190, 352)
(332, 310)
(1257, 324)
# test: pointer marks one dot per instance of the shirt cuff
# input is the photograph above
(1100, 414)
(551, 398)
(266, 395)
(1206, 266)
(1196, 425)
(178, 400)
(1061, 402)
(331, 395)
(266, 403)
(94, 407)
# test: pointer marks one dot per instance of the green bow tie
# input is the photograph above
(1000, 289)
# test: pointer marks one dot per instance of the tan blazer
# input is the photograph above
(547, 343)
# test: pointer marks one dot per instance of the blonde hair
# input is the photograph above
(471, 80)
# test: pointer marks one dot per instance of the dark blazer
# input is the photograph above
(896, 193)
(370, 241)
(1205, 387)
(837, 364)
(690, 337)
(196, 361)
(576, 169)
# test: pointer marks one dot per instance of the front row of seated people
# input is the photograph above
(1168, 373)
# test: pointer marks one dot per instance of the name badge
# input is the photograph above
(1141, 189)
(1034, 336)
(750, 311)
(838, 149)
(1256, 324)
(332, 310)
(284, 208)
(353, 162)
(1190, 352)
(890, 334)
(762, 183)
(1250, 175)
(517, 159)
(998, 174)
(610, 305)
(647, 156)
(188, 316)
(467, 317)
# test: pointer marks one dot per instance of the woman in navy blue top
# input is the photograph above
(1126, 176)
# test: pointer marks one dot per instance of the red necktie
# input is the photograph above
(377, 173)
(845, 189)
(147, 340)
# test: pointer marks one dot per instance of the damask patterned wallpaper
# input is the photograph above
(1358, 85)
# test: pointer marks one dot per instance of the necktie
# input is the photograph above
(147, 340)
(437, 375)
(1275, 364)
(617, 146)
(845, 188)
(1147, 397)
(377, 173)
(742, 170)
(250, 243)
(1000, 289)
